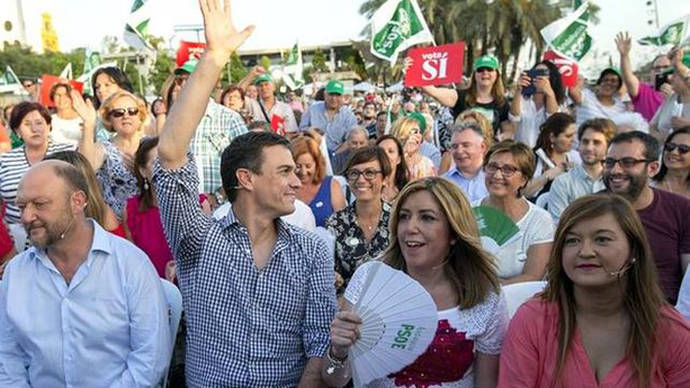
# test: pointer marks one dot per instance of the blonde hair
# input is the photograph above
(402, 128)
(107, 107)
(470, 268)
(643, 298)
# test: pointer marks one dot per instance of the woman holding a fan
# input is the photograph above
(435, 240)
(508, 168)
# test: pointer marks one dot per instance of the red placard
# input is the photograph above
(436, 65)
(47, 81)
(278, 124)
(189, 50)
(568, 68)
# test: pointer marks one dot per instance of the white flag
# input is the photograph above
(397, 25)
(67, 71)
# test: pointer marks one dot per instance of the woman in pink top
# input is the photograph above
(602, 320)
(141, 216)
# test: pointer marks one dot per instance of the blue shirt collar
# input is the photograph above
(100, 242)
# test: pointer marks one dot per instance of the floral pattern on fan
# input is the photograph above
(447, 359)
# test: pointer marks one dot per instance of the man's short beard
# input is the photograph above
(635, 187)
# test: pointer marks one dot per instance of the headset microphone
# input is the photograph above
(626, 266)
(62, 236)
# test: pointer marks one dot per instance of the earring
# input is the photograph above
(146, 184)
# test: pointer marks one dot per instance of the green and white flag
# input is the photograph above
(397, 25)
(92, 61)
(293, 69)
(137, 25)
(673, 33)
(10, 83)
(569, 36)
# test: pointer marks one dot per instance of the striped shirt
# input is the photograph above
(13, 165)
(245, 327)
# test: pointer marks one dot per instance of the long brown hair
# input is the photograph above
(470, 268)
(498, 91)
(643, 298)
(141, 157)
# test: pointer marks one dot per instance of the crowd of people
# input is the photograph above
(260, 207)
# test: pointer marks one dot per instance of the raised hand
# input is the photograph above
(221, 36)
(84, 109)
(543, 85)
(623, 43)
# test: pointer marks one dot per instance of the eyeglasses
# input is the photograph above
(506, 170)
(120, 112)
(484, 69)
(682, 148)
(369, 174)
(626, 162)
(179, 81)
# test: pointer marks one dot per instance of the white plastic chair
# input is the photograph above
(518, 293)
(174, 299)
(543, 200)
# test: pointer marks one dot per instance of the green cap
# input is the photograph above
(486, 61)
(187, 68)
(265, 77)
(613, 69)
(420, 119)
(335, 87)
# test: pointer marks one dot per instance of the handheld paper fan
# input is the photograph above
(399, 321)
(495, 228)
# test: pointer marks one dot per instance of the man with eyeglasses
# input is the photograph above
(645, 98)
(632, 159)
(217, 128)
(468, 148)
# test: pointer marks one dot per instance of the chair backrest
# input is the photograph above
(174, 299)
(543, 200)
(518, 293)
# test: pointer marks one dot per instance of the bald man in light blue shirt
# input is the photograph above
(82, 307)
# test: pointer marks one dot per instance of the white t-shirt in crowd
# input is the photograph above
(302, 216)
(65, 131)
(530, 120)
(536, 227)
(591, 108)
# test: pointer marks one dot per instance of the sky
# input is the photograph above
(280, 23)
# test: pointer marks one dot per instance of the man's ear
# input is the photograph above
(653, 168)
(244, 179)
(78, 201)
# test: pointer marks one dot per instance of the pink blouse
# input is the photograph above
(530, 352)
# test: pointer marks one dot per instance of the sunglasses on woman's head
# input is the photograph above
(120, 112)
(484, 69)
(682, 148)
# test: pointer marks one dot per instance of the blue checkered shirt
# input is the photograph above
(245, 327)
(215, 132)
